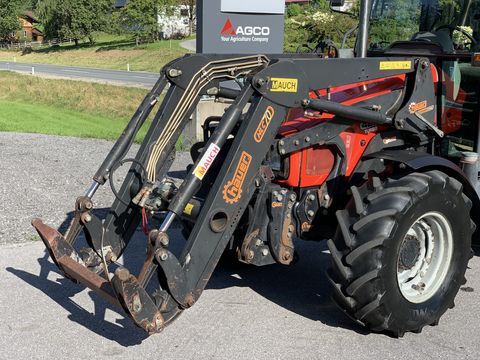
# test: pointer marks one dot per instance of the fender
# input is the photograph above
(422, 162)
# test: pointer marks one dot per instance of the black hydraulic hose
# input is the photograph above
(125, 141)
(348, 112)
(193, 182)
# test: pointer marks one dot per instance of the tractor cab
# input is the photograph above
(448, 33)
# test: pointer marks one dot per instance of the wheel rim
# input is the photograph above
(424, 257)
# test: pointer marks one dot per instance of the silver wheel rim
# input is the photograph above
(424, 257)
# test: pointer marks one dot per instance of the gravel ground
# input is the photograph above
(41, 176)
(273, 312)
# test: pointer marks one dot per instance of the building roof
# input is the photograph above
(120, 3)
(29, 15)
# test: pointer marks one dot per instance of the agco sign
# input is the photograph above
(229, 33)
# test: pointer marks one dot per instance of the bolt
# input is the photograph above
(257, 182)
(326, 197)
(162, 238)
(307, 139)
(259, 242)
(296, 142)
(111, 257)
(291, 228)
(163, 255)
(265, 252)
(305, 102)
(89, 205)
(275, 193)
(362, 143)
(424, 64)
(122, 273)
(293, 197)
(281, 142)
(311, 213)
(279, 198)
(174, 73)
(286, 256)
(260, 82)
(212, 91)
(289, 235)
(289, 216)
(402, 166)
(87, 218)
(251, 255)
(282, 151)
(311, 197)
(283, 192)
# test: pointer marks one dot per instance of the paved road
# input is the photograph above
(144, 79)
(190, 45)
(273, 312)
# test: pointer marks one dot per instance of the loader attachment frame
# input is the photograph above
(242, 174)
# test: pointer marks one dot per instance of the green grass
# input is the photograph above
(45, 119)
(109, 52)
(62, 107)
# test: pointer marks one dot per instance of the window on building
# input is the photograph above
(184, 12)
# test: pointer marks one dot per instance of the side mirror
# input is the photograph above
(341, 6)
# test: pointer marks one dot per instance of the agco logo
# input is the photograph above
(232, 192)
(229, 30)
(264, 123)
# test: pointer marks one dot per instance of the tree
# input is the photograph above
(9, 13)
(74, 19)
(140, 18)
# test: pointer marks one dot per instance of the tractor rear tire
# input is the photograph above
(401, 251)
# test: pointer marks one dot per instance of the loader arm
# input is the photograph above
(272, 87)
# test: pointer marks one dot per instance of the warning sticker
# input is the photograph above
(284, 85)
(396, 65)
(206, 161)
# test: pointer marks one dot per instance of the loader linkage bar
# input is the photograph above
(182, 279)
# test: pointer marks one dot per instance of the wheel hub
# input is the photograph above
(409, 253)
(424, 257)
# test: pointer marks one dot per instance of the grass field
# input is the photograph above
(109, 52)
(61, 107)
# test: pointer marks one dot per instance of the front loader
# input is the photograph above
(310, 148)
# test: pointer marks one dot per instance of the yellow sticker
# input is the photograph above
(188, 209)
(396, 65)
(284, 85)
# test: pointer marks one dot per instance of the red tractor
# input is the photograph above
(376, 151)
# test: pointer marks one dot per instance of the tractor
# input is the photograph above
(372, 149)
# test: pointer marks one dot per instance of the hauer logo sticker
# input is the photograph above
(284, 85)
(244, 33)
(264, 123)
(232, 192)
(420, 107)
(206, 161)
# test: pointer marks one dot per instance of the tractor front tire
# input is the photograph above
(401, 251)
